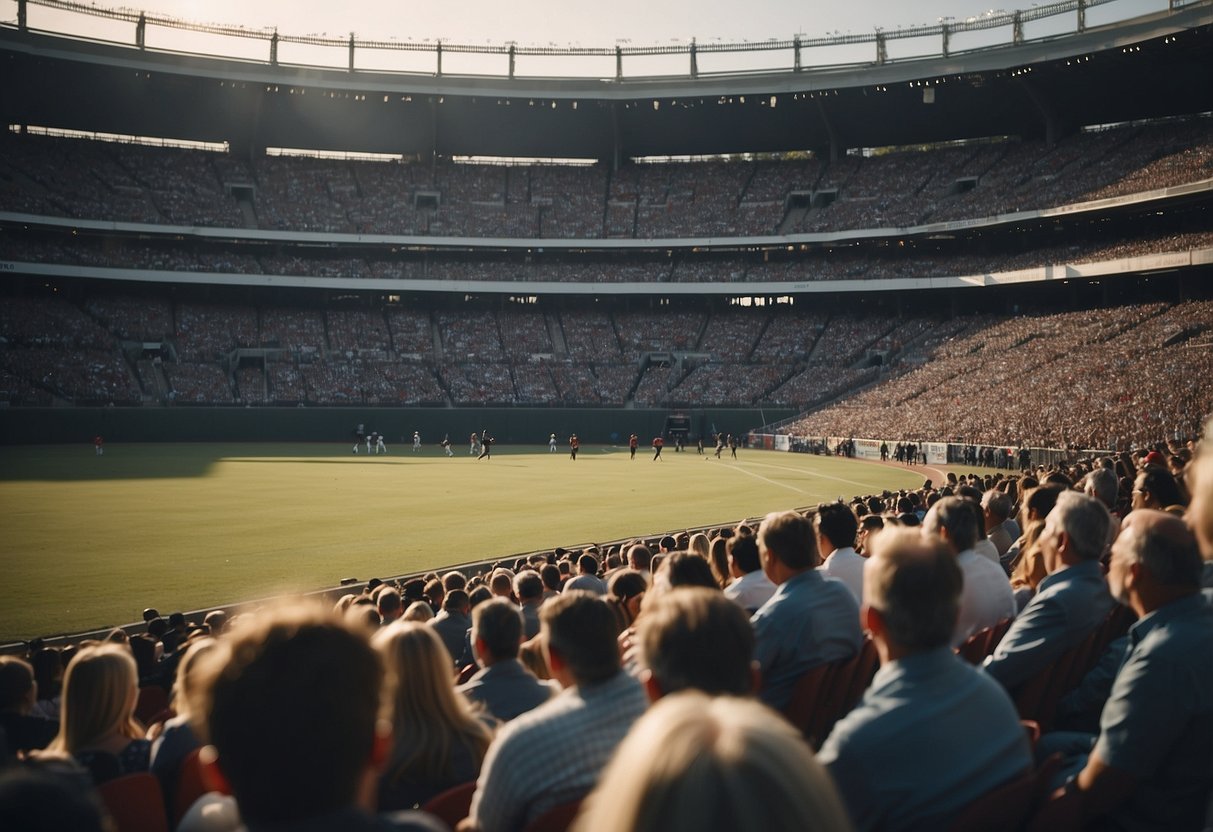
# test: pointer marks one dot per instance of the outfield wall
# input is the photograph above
(329, 424)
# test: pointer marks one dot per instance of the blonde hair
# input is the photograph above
(693, 763)
(428, 715)
(99, 693)
(718, 558)
(185, 683)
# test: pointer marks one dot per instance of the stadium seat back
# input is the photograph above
(135, 803)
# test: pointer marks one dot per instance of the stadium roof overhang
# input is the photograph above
(1146, 67)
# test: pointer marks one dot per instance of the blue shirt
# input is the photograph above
(810, 620)
(1158, 722)
(1067, 607)
(931, 735)
(507, 689)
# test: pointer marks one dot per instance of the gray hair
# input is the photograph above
(1168, 550)
(1102, 485)
(1085, 521)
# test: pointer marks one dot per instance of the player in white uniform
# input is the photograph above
(416, 441)
(446, 445)
(552, 444)
(380, 448)
(370, 441)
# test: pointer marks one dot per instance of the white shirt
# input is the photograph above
(751, 590)
(986, 597)
(986, 548)
(846, 565)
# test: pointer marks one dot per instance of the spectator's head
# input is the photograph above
(496, 631)
(435, 592)
(954, 520)
(18, 691)
(587, 564)
(911, 591)
(743, 555)
(292, 700)
(640, 558)
(836, 527)
(786, 545)
(1155, 560)
(1155, 488)
(454, 580)
(684, 569)
(696, 638)
(867, 528)
(186, 688)
(668, 544)
(1101, 484)
(1076, 529)
(995, 508)
(578, 630)
(693, 762)
(625, 591)
(42, 800)
(529, 587)
(390, 605)
(501, 584)
(550, 573)
(457, 601)
(413, 590)
(99, 692)
(419, 611)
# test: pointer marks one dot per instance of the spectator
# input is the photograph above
(751, 588)
(1069, 603)
(292, 701)
(529, 588)
(809, 620)
(837, 527)
(640, 557)
(554, 754)
(179, 735)
(996, 508)
(694, 638)
(97, 724)
(453, 623)
(695, 763)
(1149, 766)
(587, 576)
(20, 728)
(986, 597)
(390, 606)
(932, 733)
(503, 686)
(439, 741)
(625, 593)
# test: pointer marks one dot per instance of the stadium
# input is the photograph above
(226, 272)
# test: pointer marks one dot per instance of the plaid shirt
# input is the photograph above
(553, 755)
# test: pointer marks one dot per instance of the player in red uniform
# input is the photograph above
(658, 444)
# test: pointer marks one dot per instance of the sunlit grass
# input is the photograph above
(90, 541)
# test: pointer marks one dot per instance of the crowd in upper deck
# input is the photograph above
(129, 182)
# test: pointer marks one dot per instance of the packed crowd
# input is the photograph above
(951, 379)
(1045, 380)
(786, 673)
(99, 180)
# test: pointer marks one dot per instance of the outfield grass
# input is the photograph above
(90, 541)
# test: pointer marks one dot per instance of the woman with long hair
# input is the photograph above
(177, 737)
(97, 724)
(718, 558)
(440, 741)
(625, 591)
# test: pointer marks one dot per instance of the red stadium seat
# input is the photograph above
(192, 783)
(1008, 807)
(135, 803)
(153, 700)
(452, 805)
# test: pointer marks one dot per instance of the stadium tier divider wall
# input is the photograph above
(508, 425)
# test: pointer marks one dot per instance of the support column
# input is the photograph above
(141, 31)
(438, 54)
(274, 49)
(694, 60)
(351, 51)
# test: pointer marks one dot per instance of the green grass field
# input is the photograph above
(90, 541)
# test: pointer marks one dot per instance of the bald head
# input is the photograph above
(1163, 546)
